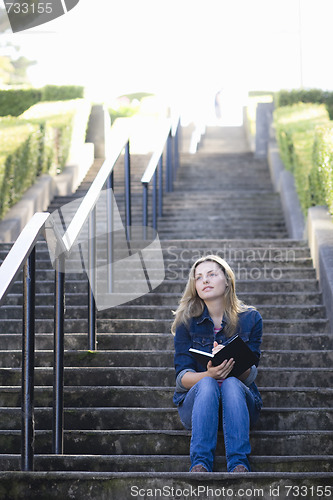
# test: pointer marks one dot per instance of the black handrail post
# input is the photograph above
(145, 209)
(92, 262)
(109, 218)
(154, 200)
(28, 363)
(169, 180)
(128, 209)
(58, 366)
(160, 187)
(176, 149)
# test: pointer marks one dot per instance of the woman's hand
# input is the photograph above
(217, 347)
(222, 370)
(219, 372)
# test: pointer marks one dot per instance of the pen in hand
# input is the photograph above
(217, 347)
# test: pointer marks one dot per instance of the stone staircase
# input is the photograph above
(123, 437)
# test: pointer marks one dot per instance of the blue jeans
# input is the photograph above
(200, 411)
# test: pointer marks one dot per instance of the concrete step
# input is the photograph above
(140, 357)
(171, 299)
(142, 396)
(211, 223)
(156, 325)
(127, 311)
(177, 285)
(163, 312)
(222, 214)
(207, 221)
(226, 192)
(242, 272)
(163, 326)
(165, 376)
(164, 463)
(177, 252)
(141, 442)
(101, 418)
(220, 205)
(242, 244)
(93, 485)
(264, 246)
(177, 264)
(227, 233)
(190, 249)
(160, 341)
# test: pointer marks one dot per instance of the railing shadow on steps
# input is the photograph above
(23, 256)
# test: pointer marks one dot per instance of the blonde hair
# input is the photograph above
(191, 305)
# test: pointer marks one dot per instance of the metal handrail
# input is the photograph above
(20, 251)
(165, 128)
(119, 136)
(168, 139)
(23, 255)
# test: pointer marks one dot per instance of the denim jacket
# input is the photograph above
(199, 333)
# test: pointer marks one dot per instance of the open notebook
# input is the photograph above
(243, 356)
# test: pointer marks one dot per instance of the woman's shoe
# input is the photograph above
(198, 468)
(240, 468)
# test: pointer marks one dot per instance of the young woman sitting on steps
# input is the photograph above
(208, 316)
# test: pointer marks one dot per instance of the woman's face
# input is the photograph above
(210, 281)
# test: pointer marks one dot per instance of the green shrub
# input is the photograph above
(19, 159)
(56, 119)
(315, 96)
(295, 132)
(62, 93)
(321, 174)
(329, 103)
(37, 142)
(15, 102)
(60, 130)
(302, 160)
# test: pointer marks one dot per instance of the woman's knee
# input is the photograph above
(207, 385)
(232, 386)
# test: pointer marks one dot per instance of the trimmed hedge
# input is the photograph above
(37, 142)
(14, 102)
(62, 93)
(321, 174)
(19, 161)
(298, 135)
(315, 96)
(55, 120)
